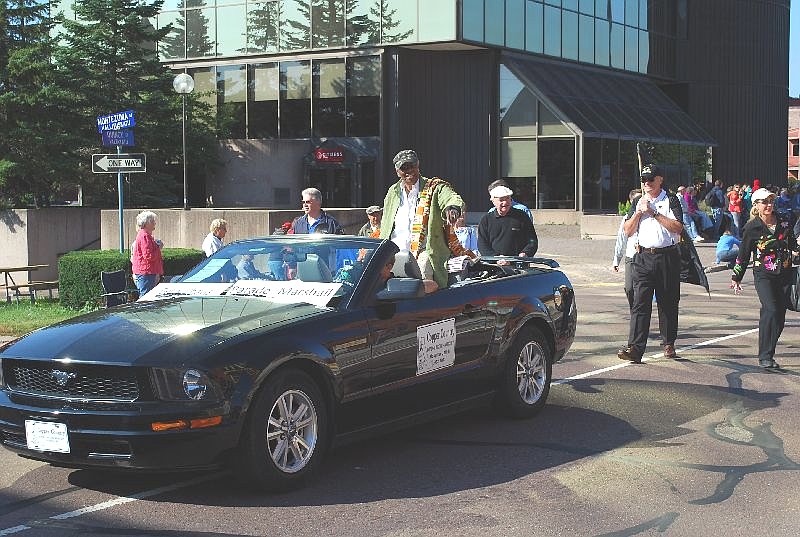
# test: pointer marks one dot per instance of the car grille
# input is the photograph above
(108, 383)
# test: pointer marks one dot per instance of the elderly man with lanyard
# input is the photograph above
(656, 219)
(415, 211)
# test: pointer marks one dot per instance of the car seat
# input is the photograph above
(405, 266)
(313, 269)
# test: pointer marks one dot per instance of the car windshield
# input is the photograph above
(301, 268)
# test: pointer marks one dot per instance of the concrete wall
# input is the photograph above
(40, 236)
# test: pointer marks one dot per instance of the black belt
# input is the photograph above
(642, 249)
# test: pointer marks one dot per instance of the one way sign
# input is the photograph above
(125, 163)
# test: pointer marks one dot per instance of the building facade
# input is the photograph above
(793, 146)
(551, 95)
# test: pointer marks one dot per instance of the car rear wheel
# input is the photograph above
(285, 435)
(526, 375)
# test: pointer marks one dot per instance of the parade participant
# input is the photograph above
(769, 239)
(514, 203)
(373, 226)
(315, 220)
(657, 221)
(213, 240)
(507, 231)
(415, 212)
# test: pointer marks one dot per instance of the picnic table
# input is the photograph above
(31, 286)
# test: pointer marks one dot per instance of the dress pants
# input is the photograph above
(658, 272)
(773, 293)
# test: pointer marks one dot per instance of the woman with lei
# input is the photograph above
(769, 239)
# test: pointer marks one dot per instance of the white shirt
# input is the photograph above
(404, 217)
(651, 233)
(211, 244)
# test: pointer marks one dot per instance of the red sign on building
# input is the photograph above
(335, 154)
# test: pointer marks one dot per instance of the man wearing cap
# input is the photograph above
(656, 219)
(507, 230)
(514, 203)
(373, 227)
(415, 211)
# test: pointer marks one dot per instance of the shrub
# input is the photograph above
(79, 272)
(623, 208)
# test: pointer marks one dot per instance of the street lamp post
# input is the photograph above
(184, 84)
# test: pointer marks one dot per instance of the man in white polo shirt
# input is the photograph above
(656, 266)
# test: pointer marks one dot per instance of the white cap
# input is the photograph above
(761, 194)
(500, 192)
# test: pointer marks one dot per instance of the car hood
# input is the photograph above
(176, 327)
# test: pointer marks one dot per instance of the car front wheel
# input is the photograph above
(285, 434)
(526, 375)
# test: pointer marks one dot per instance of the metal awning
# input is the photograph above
(603, 103)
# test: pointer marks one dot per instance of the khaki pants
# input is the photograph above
(425, 266)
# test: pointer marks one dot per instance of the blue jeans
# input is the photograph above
(145, 282)
(688, 224)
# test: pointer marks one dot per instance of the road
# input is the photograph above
(707, 444)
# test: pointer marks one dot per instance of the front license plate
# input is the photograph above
(47, 436)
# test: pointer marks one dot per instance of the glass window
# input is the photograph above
(586, 39)
(643, 14)
(644, 51)
(586, 6)
(231, 101)
(363, 25)
(552, 31)
(166, 6)
(263, 86)
(399, 21)
(569, 35)
(549, 124)
(517, 106)
(553, 2)
(632, 12)
(295, 25)
(618, 11)
(570, 4)
(631, 49)
(617, 46)
(534, 35)
(437, 21)
(262, 27)
(327, 99)
(602, 8)
(495, 21)
(205, 86)
(231, 37)
(172, 45)
(472, 19)
(200, 32)
(364, 96)
(518, 157)
(601, 37)
(556, 174)
(596, 180)
(515, 24)
(199, 3)
(327, 24)
(295, 99)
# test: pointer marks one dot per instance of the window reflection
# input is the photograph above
(631, 49)
(263, 89)
(231, 101)
(173, 45)
(231, 36)
(363, 24)
(569, 35)
(437, 21)
(327, 23)
(200, 41)
(262, 27)
(328, 97)
(515, 24)
(399, 21)
(534, 20)
(617, 46)
(472, 19)
(495, 21)
(363, 96)
(644, 51)
(601, 42)
(295, 25)
(552, 34)
(586, 39)
(295, 97)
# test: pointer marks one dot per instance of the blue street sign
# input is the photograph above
(115, 122)
(122, 137)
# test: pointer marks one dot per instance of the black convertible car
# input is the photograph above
(272, 350)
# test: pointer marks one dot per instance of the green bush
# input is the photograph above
(79, 272)
(623, 208)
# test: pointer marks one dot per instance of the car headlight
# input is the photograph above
(184, 384)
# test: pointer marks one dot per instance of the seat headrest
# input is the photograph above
(405, 266)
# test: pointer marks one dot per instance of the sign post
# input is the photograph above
(121, 226)
(114, 129)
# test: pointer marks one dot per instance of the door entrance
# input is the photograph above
(335, 185)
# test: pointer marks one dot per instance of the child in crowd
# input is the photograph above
(728, 248)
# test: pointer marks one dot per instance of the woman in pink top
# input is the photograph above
(146, 254)
(735, 208)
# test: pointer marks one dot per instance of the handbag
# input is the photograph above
(793, 302)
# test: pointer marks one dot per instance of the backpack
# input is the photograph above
(712, 200)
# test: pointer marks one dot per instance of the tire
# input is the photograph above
(526, 376)
(285, 433)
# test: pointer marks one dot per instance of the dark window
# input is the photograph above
(295, 99)
(556, 182)
(263, 87)
(328, 97)
(796, 148)
(281, 196)
(363, 96)
(596, 178)
(231, 101)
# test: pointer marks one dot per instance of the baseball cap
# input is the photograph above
(762, 194)
(405, 156)
(372, 209)
(500, 192)
(651, 170)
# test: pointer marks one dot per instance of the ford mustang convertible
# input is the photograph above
(273, 350)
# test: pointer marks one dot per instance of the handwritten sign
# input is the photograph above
(436, 346)
(171, 290)
(287, 292)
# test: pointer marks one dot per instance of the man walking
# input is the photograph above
(415, 211)
(656, 219)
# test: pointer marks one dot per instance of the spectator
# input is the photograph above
(213, 240)
(715, 200)
(735, 202)
(146, 261)
(727, 248)
(315, 220)
(373, 227)
(783, 203)
(466, 235)
(704, 223)
(507, 231)
(515, 204)
(688, 223)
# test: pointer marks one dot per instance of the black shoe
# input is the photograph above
(769, 364)
(630, 354)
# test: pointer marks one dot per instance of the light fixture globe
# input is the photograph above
(183, 84)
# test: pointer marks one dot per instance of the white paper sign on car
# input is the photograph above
(289, 292)
(171, 290)
(436, 346)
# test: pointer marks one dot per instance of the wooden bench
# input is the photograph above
(32, 287)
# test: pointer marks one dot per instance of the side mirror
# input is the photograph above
(402, 288)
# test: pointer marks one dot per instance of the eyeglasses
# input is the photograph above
(648, 179)
(308, 202)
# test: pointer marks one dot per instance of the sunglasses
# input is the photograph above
(648, 179)
(407, 167)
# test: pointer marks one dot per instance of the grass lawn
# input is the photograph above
(18, 319)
